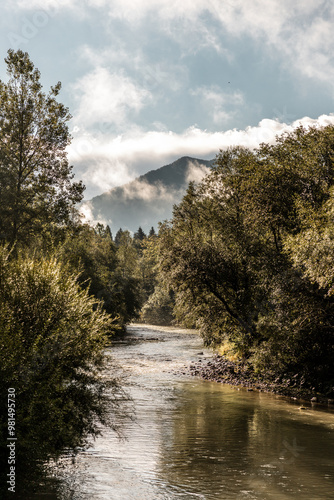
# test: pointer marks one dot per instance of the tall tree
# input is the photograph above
(139, 235)
(36, 188)
(118, 236)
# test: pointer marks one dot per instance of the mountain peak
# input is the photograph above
(148, 199)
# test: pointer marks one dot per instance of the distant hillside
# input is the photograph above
(148, 199)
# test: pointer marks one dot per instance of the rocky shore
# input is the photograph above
(220, 369)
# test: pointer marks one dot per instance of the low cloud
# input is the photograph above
(89, 216)
(104, 162)
(142, 190)
(196, 171)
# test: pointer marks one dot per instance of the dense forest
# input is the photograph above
(247, 259)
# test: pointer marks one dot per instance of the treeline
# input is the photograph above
(115, 270)
(248, 257)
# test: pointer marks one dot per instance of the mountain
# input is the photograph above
(148, 199)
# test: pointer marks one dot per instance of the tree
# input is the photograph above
(158, 309)
(207, 255)
(127, 277)
(36, 188)
(92, 254)
(139, 235)
(148, 267)
(118, 236)
(111, 273)
(108, 233)
(312, 249)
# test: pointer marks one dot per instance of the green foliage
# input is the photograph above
(248, 254)
(147, 264)
(312, 249)
(92, 255)
(118, 236)
(158, 309)
(52, 341)
(109, 272)
(158, 300)
(36, 188)
(127, 277)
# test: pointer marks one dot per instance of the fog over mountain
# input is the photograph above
(148, 199)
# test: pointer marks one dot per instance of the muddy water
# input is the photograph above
(194, 439)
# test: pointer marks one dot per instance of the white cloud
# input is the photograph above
(150, 75)
(87, 212)
(106, 97)
(299, 32)
(51, 6)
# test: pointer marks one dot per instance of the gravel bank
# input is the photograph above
(221, 370)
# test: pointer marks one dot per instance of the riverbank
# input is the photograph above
(220, 369)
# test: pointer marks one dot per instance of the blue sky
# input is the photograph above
(148, 81)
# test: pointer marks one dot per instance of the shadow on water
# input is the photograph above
(193, 439)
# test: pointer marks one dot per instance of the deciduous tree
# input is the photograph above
(36, 182)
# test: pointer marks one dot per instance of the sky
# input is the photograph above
(149, 81)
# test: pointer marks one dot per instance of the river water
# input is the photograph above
(193, 439)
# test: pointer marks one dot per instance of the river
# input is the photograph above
(193, 439)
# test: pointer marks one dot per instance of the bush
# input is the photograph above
(52, 352)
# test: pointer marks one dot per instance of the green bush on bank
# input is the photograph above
(52, 352)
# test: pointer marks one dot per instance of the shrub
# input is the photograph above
(52, 352)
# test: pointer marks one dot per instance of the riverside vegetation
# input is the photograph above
(247, 259)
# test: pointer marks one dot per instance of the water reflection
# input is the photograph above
(228, 444)
(194, 439)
